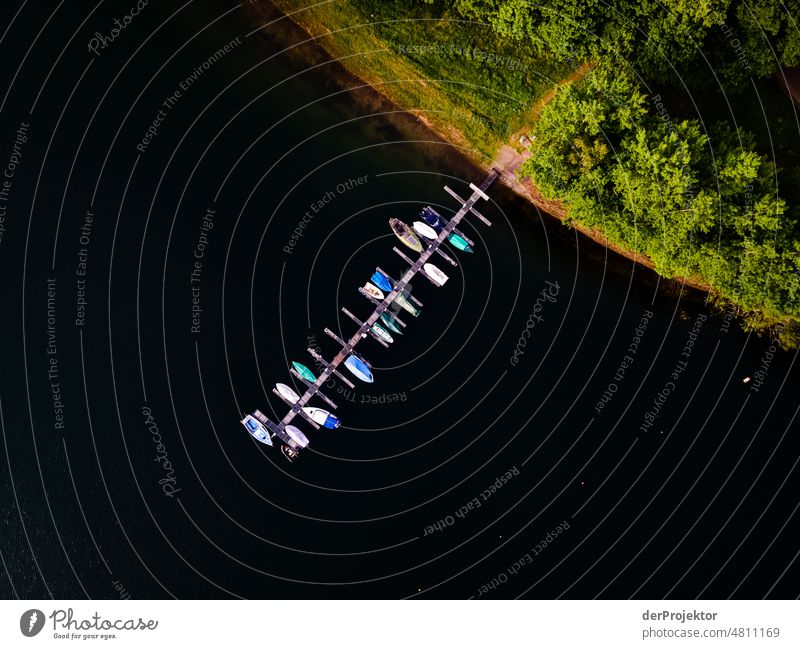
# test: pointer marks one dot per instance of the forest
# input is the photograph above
(698, 196)
(660, 124)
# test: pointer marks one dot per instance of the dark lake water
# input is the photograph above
(459, 473)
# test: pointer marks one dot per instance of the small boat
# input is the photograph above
(287, 393)
(424, 230)
(359, 369)
(390, 321)
(405, 234)
(435, 274)
(257, 429)
(381, 281)
(382, 333)
(373, 291)
(362, 359)
(433, 218)
(406, 304)
(304, 372)
(297, 436)
(459, 242)
(323, 417)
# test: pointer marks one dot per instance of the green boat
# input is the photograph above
(390, 321)
(403, 303)
(304, 372)
(459, 242)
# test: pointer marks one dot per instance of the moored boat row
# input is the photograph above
(424, 236)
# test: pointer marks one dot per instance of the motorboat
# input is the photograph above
(459, 242)
(287, 393)
(381, 281)
(304, 372)
(406, 304)
(373, 291)
(391, 322)
(405, 234)
(433, 218)
(294, 441)
(435, 274)
(359, 369)
(361, 358)
(296, 435)
(382, 333)
(323, 417)
(424, 230)
(257, 429)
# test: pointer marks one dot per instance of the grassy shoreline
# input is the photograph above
(402, 67)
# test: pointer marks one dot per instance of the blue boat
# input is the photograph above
(323, 417)
(433, 218)
(257, 430)
(381, 281)
(359, 369)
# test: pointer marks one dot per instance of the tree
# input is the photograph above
(698, 204)
(769, 34)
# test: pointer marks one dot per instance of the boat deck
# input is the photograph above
(365, 329)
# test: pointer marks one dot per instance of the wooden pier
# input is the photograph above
(365, 328)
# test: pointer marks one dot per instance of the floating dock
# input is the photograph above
(290, 448)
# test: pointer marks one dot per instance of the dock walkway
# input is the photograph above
(468, 205)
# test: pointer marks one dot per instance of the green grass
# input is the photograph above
(472, 87)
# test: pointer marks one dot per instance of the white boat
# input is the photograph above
(296, 436)
(373, 291)
(425, 230)
(323, 417)
(435, 274)
(287, 393)
(257, 429)
(382, 333)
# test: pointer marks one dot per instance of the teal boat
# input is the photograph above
(459, 242)
(390, 321)
(304, 372)
(406, 304)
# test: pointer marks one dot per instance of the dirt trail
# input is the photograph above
(510, 159)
